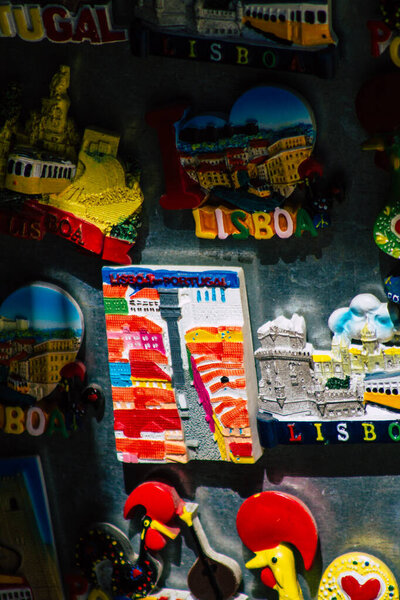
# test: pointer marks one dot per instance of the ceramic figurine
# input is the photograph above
(181, 370)
(43, 385)
(213, 576)
(248, 174)
(358, 576)
(274, 35)
(28, 560)
(61, 183)
(346, 394)
(273, 525)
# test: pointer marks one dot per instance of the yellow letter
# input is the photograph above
(206, 225)
(7, 28)
(29, 28)
(394, 51)
(263, 229)
(242, 55)
(369, 432)
(192, 53)
(320, 437)
(14, 420)
(97, 594)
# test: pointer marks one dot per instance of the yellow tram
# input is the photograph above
(303, 24)
(33, 172)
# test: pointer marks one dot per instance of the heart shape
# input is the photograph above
(369, 590)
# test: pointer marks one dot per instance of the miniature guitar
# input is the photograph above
(213, 576)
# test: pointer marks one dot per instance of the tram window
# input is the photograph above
(321, 14)
(292, 15)
(254, 14)
(18, 168)
(266, 17)
(55, 172)
(28, 170)
(248, 12)
(10, 166)
(282, 18)
(309, 17)
(50, 172)
(260, 15)
(273, 18)
(44, 169)
(69, 173)
(298, 16)
(60, 172)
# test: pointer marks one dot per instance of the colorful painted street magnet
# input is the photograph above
(273, 525)
(387, 230)
(59, 182)
(42, 384)
(350, 393)
(358, 576)
(250, 173)
(272, 35)
(181, 367)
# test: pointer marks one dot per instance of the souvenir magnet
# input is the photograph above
(358, 576)
(248, 174)
(350, 393)
(59, 182)
(272, 525)
(291, 37)
(181, 367)
(43, 385)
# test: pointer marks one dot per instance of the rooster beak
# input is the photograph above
(170, 532)
(282, 564)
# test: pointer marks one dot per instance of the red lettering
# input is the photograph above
(86, 27)
(107, 33)
(64, 227)
(57, 23)
(380, 33)
(293, 437)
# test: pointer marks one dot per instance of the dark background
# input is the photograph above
(353, 491)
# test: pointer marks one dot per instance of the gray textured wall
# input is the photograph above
(353, 491)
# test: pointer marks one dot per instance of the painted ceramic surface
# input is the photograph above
(358, 576)
(253, 153)
(41, 329)
(354, 386)
(178, 363)
(55, 180)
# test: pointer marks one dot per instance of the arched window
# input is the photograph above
(18, 168)
(55, 172)
(321, 16)
(44, 171)
(28, 170)
(50, 171)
